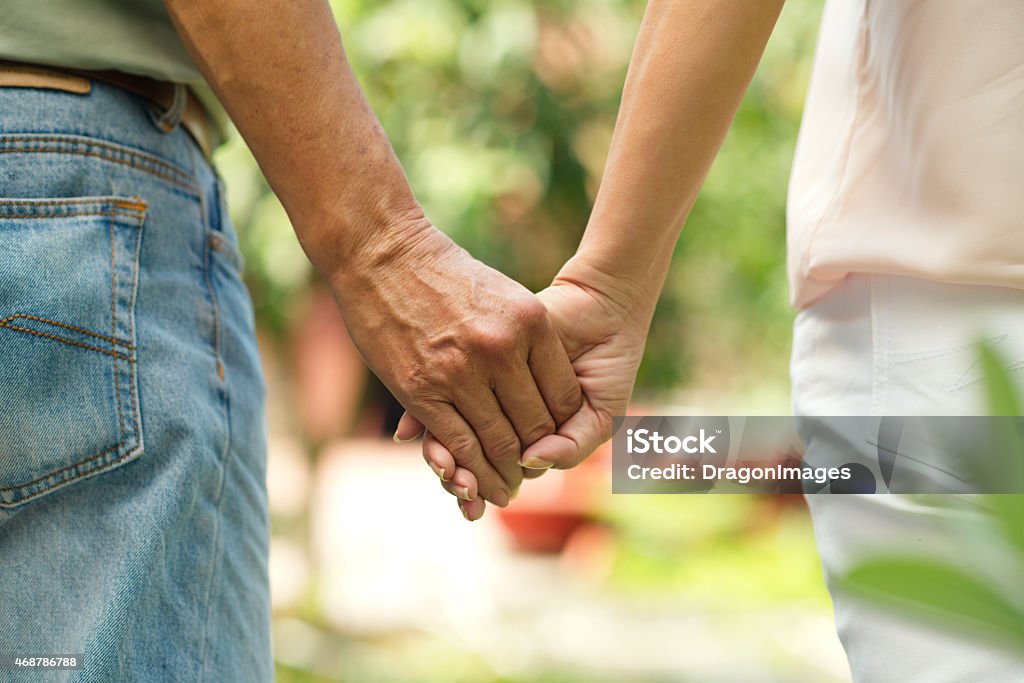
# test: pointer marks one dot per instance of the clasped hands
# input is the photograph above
(503, 384)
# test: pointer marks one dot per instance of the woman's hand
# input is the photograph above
(604, 338)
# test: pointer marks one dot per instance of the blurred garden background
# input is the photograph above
(501, 112)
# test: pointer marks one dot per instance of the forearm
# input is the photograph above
(279, 68)
(470, 353)
(691, 66)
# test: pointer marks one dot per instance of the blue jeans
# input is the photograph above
(133, 512)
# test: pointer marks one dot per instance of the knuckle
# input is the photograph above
(538, 432)
(489, 426)
(530, 313)
(494, 340)
(504, 447)
(568, 399)
(451, 367)
(462, 447)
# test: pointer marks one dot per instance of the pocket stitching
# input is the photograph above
(5, 324)
(113, 328)
(100, 149)
(137, 211)
(112, 340)
(61, 470)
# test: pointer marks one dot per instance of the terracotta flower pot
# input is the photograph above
(549, 510)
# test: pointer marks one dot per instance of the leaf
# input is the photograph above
(1008, 448)
(1002, 394)
(1008, 509)
(929, 589)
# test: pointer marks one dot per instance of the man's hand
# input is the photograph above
(604, 338)
(465, 349)
(468, 351)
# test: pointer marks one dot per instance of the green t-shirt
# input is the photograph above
(134, 36)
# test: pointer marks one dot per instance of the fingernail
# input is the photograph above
(462, 492)
(535, 463)
(438, 471)
(395, 438)
(500, 498)
(464, 514)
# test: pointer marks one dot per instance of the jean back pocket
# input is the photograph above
(69, 406)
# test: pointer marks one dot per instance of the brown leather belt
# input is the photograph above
(194, 117)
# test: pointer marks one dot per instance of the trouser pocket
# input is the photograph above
(69, 405)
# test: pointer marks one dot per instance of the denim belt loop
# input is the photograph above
(170, 119)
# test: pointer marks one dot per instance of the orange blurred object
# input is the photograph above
(550, 509)
(330, 375)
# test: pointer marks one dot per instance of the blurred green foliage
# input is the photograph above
(702, 549)
(501, 112)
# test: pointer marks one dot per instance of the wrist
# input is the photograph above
(631, 297)
(346, 249)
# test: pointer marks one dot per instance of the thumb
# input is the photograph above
(408, 428)
(575, 440)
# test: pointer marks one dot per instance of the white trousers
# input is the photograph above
(886, 345)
